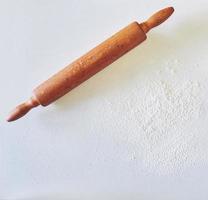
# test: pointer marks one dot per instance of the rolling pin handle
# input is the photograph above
(23, 109)
(157, 19)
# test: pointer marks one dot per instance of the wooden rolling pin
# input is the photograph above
(90, 63)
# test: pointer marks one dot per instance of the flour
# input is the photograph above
(168, 108)
(157, 112)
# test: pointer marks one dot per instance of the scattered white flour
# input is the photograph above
(157, 112)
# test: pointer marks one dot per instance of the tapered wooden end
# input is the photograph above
(157, 19)
(22, 109)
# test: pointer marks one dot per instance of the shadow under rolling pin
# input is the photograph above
(90, 63)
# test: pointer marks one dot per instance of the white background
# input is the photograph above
(76, 148)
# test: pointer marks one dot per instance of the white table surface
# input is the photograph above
(76, 148)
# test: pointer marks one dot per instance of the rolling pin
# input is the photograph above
(89, 64)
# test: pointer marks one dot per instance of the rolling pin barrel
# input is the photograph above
(89, 64)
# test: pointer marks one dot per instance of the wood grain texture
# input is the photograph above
(89, 64)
